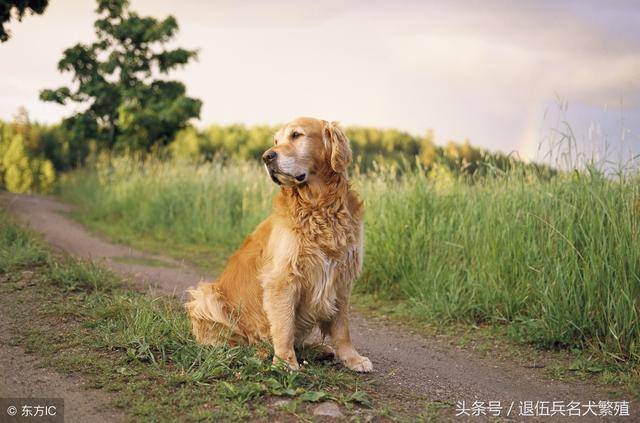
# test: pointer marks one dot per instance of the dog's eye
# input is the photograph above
(295, 134)
(275, 141)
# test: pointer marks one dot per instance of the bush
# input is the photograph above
(21, 169)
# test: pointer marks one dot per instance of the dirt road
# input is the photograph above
(402, 361)
(23, 376)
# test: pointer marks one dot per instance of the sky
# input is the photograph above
(503, 74)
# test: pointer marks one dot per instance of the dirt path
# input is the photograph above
(22, 376)
(402, 361)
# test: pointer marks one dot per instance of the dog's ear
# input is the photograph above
(337, 143)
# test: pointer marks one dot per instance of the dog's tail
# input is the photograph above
(210, 322)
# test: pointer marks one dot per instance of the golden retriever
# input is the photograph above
(295, 271)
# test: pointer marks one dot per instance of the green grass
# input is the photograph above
(17, 248)
(183, 205)
(556, 261)
(83, 319)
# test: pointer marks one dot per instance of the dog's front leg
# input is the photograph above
(338, 330)
(280, 305)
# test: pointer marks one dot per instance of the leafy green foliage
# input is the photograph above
(23, 166)
(371, 147)
(18, 8)
(75, 142)
(114, 77)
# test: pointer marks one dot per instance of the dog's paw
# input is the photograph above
(359, 364)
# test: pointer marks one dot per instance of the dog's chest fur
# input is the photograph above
(319, 290)
(328, 260)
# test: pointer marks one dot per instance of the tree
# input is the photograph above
(115, 78)
(18, 8)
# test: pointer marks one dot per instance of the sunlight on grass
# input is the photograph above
(558, 258)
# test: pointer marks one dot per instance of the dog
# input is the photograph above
(295, 271)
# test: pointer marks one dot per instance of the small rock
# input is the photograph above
(328, 409)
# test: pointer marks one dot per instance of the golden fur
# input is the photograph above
(295, 271)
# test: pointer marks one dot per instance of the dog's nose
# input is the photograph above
(269, 156)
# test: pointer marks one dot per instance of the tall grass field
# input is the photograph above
(557, 259)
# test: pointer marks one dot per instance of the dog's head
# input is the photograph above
(307, 150)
